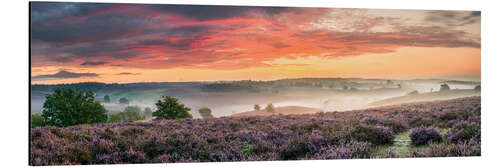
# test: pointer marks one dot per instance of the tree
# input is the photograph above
(389, 82)
(66, 107)
(107, 99)
(256, 107)
(270, 107)
(131, 113)
(37, 120)
(148, 113)
(444, 87)
(477, 88)
(124, 100)
(170, 108)
(205, 112)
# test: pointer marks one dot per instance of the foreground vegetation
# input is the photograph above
(430, 129)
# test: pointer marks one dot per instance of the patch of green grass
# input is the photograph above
(247, 148)
(401, 147)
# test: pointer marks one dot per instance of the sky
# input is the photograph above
(124, 43)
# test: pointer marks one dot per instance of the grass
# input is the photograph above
(402, 147)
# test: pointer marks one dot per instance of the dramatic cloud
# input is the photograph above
(230, 37)
(453, 18)
(63, 75)
(93, 63)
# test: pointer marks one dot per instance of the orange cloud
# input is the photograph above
(231, 38)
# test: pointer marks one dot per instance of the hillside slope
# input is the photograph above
(287, 110)
(431, 96)
(330, 135)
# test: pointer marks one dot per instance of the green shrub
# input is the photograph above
(270, 108)
(256, 107)
(66, 107)
(37, 120)
(131, 113)
(377, 135)
(170, 108)
(205, 112)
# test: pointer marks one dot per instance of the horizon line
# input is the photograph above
(260, 80)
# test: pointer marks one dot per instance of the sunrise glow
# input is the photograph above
(122, 43)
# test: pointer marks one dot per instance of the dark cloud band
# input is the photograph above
(63, 75)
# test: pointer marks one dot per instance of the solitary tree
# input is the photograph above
(66, 107)
(477, 88)
(256, 107)
(124, 100)
(170, 108)
(205, 112)
(270, 107)
(107, 99)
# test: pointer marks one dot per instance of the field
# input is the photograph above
(381, 132)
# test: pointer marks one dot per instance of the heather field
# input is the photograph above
(427, 129)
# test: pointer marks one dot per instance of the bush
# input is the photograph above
(205, 112)
(464, 131)
(256, 107)
(131, 113)
(397, 125)
(444, 87)
(423, 135)
(66, 107)
(420, 121)
(447, 116)
(463, 148)
(301, 146)
(37, 120)
(270, 108)
(377, 135)
(170, 108)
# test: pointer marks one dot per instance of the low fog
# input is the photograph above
(227, 98)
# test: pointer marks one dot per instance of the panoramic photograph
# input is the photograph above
(118, 83)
